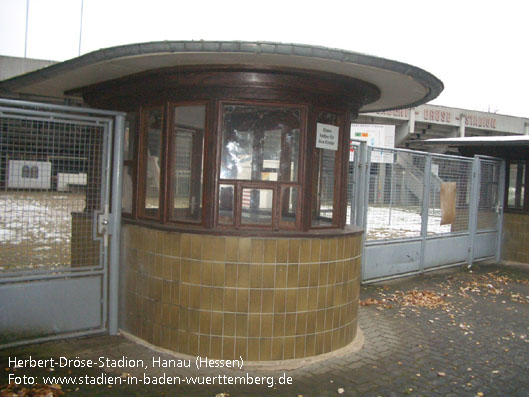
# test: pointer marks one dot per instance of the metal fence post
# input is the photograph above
(473, 210)
(425, 209)
(366, 161)
(499, 208)
(115, 226)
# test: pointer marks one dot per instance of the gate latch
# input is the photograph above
(498, 208)
(102, 223)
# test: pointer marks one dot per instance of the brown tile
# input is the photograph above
(243, 275)
(292, 275)
(232, 249)
(194, 320)
(277, 348)
(205, 278)
(243, 296)
(195, 273)
(166, 315)
(157, 334)
(335, 340)
(281, 276)
(311, 322)
(339, 272)
(255, 301)
(291, 300)
(231, 275)
(194, 296)
(329, 319)
(282, 251)
(216, 347)
(324, 274)
(310, 345)
(304, 272)
(241, 348)
(175, 244)
(267, 301)
(330, 297)
(290, 324)
(288, 348)
(219, 249)
(304, 251)
(175, 315)
(185, 246)
(167, 273)
(175, 268)
(183, 342)
(229, 300)
(205, 302)
(318, 347)
(183, 319)
(229, 324)
(279, 325)
(208, 252)
(300, 347)
(265, 349)
(228, 348)
(185, 270)
(257, 251)
(327, 339)
(332, 273)
(166, 291)
(293, 251)
(216, 323)
(217, 274)
(267, 325)
(174, 340)
(324, 256)
(245, 250)
(333, 248)
(193, 344)
(203, 345)
(322, 297)
(340, 248)
(269, 276)
(156, 285)
(270, 251)
(205, 322)
(196, 246)
(241, 325)
(253, 349)
(302, 299)
(320, 321)
(315, 250)
(301, 323)
(314, 275)
(256, 276)
(279, 301)
(254, 325)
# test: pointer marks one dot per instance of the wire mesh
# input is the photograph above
(446, 171)
(396, 183)
(488, 195)
(50, 178)
(352, 180)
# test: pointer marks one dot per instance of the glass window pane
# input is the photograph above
(260, 143)
(187, 155)
(152, 124)
(130, 136)
(226, 204)
(516, 187)
(289, 206)
(126, 196)
(257, 206)
(324, 168)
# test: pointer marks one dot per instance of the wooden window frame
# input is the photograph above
(133, 165)
(525, 198)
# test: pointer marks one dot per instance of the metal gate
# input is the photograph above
(55, 221)
(423, 211)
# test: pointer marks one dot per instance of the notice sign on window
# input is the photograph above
(327, 136)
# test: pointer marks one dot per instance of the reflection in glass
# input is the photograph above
(226, 204)
(257, 206)
(130, 137)
(126, 196)
(324, 165)
(260, 143)
(187, 147)
(516, 190)
(289, 205)
(153, 130)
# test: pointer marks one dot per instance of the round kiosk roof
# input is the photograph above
(401, 85)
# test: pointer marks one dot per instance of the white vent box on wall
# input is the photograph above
(29, 174)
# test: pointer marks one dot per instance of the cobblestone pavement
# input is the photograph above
(472, 341)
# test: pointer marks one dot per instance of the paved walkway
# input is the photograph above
(467, 334)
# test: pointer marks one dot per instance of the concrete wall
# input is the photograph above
(13, 66)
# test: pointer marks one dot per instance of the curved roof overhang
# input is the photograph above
(401, 85)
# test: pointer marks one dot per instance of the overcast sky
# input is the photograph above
(477, 48)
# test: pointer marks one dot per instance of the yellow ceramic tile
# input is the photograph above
(268, 276)
(268, 301)
(311, 322)
(185, 270)
(324, 256)
(243, 296)
(208, 244)
(228, 348)
(254, 325)
(175, 314)
(196, 246)
(279, 301)
(291, 300)
(282, 251)
(290, 324)
(300, 347)
(257, 248)
(205, 278)
(279, 325)
(156, 334)
(219, 249)
(320, 321)
(277, 348)
(310, 345)
(253, 349)
(195, 273)
(339, 272)
(241, 325)
(205, 322)
(292, 275)
(265, 349)
(216, 323)
(245, 250)
(203, 346)
(241, 348)
(322, 297)
(302, 299)
(232, 249)
(315, 250)
(314, 274)
(175, 244)
(167, 273)
(288, 348)
(194, 296)
(333, 248)
(205, 302)
(166, 315)
(193, 344)
(255, 301)
(332, 273)
(217, 274)
(175, 268)
(293, 251)
(166, 291)
(270, 250)
(175, 292)
(304, 251)
(174, 340)
(217, 299)
(328, 319)
(340, 248)
(281, 276)
(267, 325)
(327, 340)
(183, 342)
(216, 347)
(194, 320)
(243, 275)
(304, 273)
(185, 246)
(229, 300)
(256, 276)
(229, 324)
